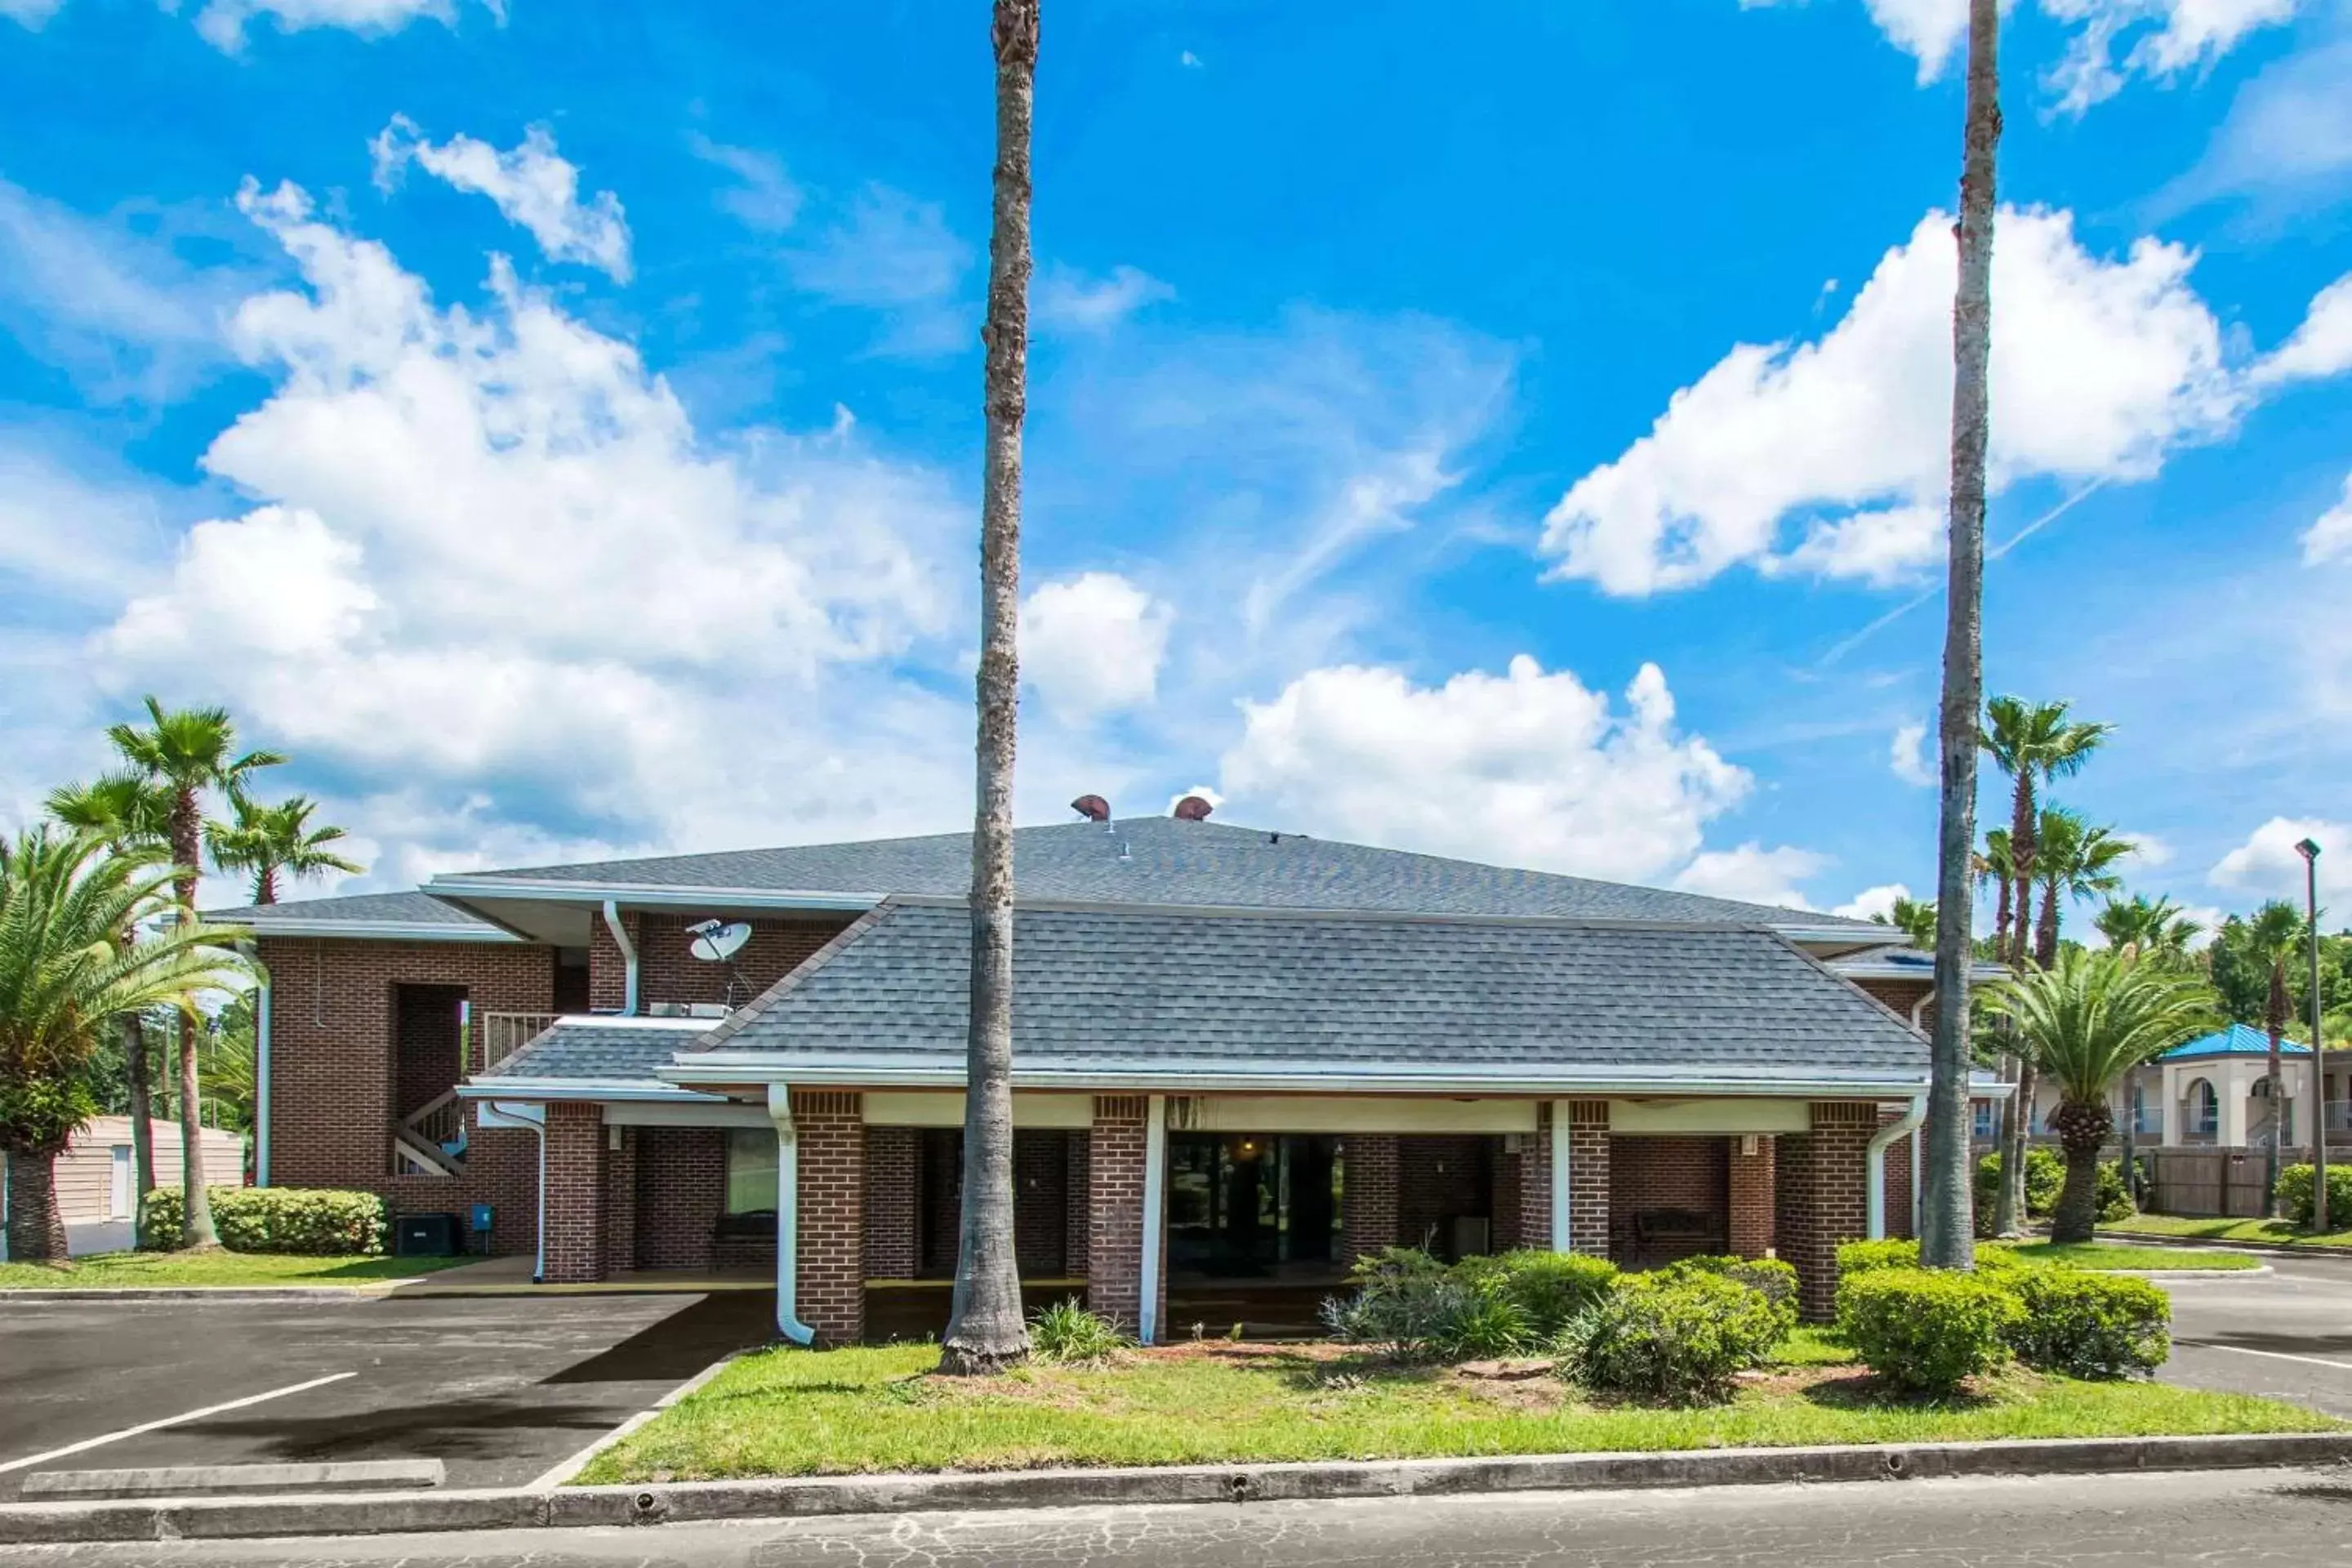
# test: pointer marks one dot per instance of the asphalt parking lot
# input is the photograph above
(2286, 1334)
(500, 1389)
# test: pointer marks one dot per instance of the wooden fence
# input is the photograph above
(2212, 1182)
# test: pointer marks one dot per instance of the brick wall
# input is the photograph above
(1115, 1171)
(1508, 1182)
(575, 1194)
(681, 1191)
(1898, 1181)
(892, 1241)
(1820, 1196)
(1646, 1173)
(1590, 1178)
(331, 1094)
(1534, 1184)
(1749, 1177)
(1439, 1178)
(669, 971)
(1368, 1203)
(1901, 995)
(621, 1199)
(832, 1265)
(423, 1044)
(1040, 1206)
(1076, 1218)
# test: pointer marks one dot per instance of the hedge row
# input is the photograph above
(318, 1222)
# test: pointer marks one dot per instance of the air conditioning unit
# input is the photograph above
(707, 1009)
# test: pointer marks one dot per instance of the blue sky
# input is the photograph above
(1517, 435)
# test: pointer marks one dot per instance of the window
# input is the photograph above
(1987, 1122)
(2204, 1110)
(750, 1171)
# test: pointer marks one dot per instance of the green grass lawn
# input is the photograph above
(794, 1413)
(2106, 1256)
(2274, 1232)
(116, 1269)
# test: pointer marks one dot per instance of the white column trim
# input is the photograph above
(788, 1217)
(1563, 1234)
(1155, 1166)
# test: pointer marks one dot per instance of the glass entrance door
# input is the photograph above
(1244, 1205)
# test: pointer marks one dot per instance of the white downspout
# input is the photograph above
(1562, 1235)
(628, 957)
(510, 1114)
(788, 1212)
(1874, 1164)
(1918, 1187)
(1155, 1163)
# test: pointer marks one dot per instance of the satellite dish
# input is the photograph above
(716, 941)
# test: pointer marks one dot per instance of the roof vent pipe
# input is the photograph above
(1093, 808)
(1193, 808)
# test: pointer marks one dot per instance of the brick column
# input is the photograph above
(1752, 1211)
(1079, 1219)
(1899, 1180)
(1588, 1177)
(620, 1199)
(1368, 1194)
(1822, 1196)
(832, 1263)
(1534, 1184)
(891, 1243)
(576, 1194)
(1115, 1161)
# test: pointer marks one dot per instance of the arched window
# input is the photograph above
(2204, 1108)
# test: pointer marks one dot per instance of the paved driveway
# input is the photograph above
(2287, 1334)
(499, 1388)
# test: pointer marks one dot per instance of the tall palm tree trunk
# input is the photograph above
(1948, 1238)
(2017, 1116)
(143, 1127)
(195, 1205)
(36, 1227)
(2082, 1130)
(985, 1331)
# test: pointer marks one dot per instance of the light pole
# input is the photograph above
(2309, 850)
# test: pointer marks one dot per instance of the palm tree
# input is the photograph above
(2146, 928)
(133, 815)
(2273, 935)
(267, 840)
(1915, 919)
(985, 1331)
(1992, 864)
(2087, 1020)
(189, 751)
(2029, 742)
(2077, 861)
(67, 973)
(1947, 1232)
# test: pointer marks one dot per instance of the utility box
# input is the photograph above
(480, 1226)
(425, 1236)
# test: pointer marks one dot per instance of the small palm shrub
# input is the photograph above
(315, 1221)
(1547, 1288)
(1777, 1280)
(1928, 1329)
(1067, 1333)
(1677, 1339)
(2089, 1325)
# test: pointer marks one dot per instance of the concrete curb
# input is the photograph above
(198, 1293)
(2258, 1248)
(701, 1502)
(2260, 1271)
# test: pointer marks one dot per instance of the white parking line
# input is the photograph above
(172, 1421)
(2274, 1355)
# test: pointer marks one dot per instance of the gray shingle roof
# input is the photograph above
(615, 1050)
(1159, 860)
(1191, 991)
(407, 908)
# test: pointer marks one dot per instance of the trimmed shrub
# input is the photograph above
(2045, 1174)
(2295, 1194)
(1775, 1279)
(1547, 1288)
(317, 1221)
(2089, 1325)
(1067, 1333)
(1680, 1338)
(1404, 1301)
(1864, 1256)
(2114, 1200)
(1927, 1328)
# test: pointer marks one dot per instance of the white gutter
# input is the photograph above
(261, 1079)
(535, 1117)
(788, 1217)
(378, 930)
(1155, 1163)
(544, 1089)
(1875, 1164)
(1563, 1235)
(535, 890)
(628, 958)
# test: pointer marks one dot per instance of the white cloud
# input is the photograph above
(2267, 867)
(2320, 346)
(1752, 874)
(1189, 60)
(223, 22)
(1203, 791)
(1907, 757)
(2166, 39)
(764, 199)
(2149, 853)
(1527, 768)
(2099, 368)
(30, 13)
(1092, 644)
(1872, 903)
(494, 561)
(1882, 548)
(894, 255)
(533, 185)
(1074, 301)
(2285, 145)
(2331, 537)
